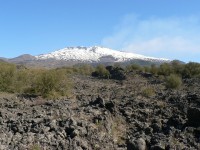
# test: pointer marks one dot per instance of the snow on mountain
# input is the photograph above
(94, 54)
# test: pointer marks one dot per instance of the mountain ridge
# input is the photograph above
(93, 55)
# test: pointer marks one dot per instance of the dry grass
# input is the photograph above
(118, 130)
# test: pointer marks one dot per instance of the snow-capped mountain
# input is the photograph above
(95, 54)
(78, 55)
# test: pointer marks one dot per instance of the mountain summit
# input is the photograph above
(77, 55)
(95, 54)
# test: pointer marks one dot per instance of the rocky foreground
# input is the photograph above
(105, 115)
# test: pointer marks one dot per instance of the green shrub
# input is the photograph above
(51, 84)
(173, 81)
(85, 69)
(165, 69)
(161, 77)
(101, 72)
(147, 69)
(154, 69)
(191, 70)
(68, 70)
(21, 81)
(148, 92)
(7, 73)
(35, 147)
(178, 67)
(47, 83)
(133, 67)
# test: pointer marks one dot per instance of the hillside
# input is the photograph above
(138, 112)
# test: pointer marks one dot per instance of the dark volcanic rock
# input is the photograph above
(117, 73)
(110, 106)
(138, 144)
(194, 116)
(99, 102)
(104, 115)
(176, 121)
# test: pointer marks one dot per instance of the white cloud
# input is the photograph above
(172, 37)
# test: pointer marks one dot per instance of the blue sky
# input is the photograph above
(158, 28)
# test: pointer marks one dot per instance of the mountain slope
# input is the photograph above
(95, 54)
(23, 58)
(78, 55)
(3, 59)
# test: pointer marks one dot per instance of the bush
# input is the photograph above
(39, 82)
(134, 67)
(45, 83)
(21, 80)
(178, 67)
(110, 72)
(147, 69)
(154, 69)
(51, 84)
(85, 69)
(7, 73)
(165, 69)
(173, 81)
(148, 92)
(191, 70)
(101, 72)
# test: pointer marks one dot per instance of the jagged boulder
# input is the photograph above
(138, 144)
(98, 102)
(117, 73)
(193, 116)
